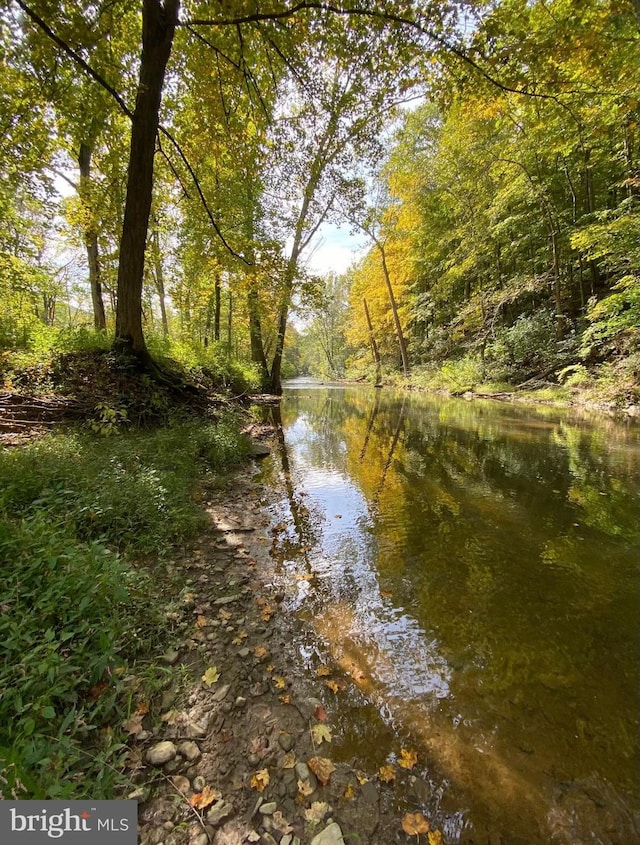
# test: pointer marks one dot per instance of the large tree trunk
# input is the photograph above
(158, 27)
(90, 236)
(255, 333)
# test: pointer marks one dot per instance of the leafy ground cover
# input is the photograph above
(84, 520)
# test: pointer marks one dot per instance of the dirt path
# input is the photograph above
(244, 741)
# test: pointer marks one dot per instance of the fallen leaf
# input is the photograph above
(323, 671)
(260, 780)
(435, 837)
(350, 792)
(96, 692)
(201, 622)
(141, 710)
(133, 725)
(386, 594)
(387, 774)
(269, 668)
(336, 686)
(224, 614)
(261, 651)
(285, 699)
(280, 823)
(253, 836)
(289, 760)
(322, 768)
(279, 683)
(304, 787)
(259, 745)
(211, 676)
(267, 613)
(202, 800)
(320, 713)
(414, 824)
(316, 812)
(320, 733)
(362, 778)
(408, 759)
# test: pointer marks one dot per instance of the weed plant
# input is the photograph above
(79, 613)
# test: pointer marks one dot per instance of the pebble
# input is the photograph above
(181, 783)
(140, 795)
(195, 730)
(170, 658)
(218, 812)
(221, 694)
(267, 839)
(240, 702)
(370, 792)
(243, 653)
(161, 753)
(199, 783)
(286, 741)
(302, 771)
(200, 839)
(331, 835)
(189, 750)
(268, 809)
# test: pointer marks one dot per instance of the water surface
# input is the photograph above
(472, 567)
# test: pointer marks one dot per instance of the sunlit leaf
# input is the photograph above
(408, 758)
(260, 780)
(211, 676)
(322, 768)
(305, 788)
(435, 837)
(414, 824)
(201, 800)
(321, 733)
(387, 774)
(316, 812)
(349, 792)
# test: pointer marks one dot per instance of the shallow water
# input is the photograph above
(473, 568)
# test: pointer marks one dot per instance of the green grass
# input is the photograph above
(78, 612)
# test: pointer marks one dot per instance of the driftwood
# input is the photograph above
(18, 409)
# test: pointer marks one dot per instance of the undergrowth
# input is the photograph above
(79, 612)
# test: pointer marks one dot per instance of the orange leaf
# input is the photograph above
(260, 780)
(201, 800)
(350, 792)
(336, 686)
(414, 824)
(323, 671)
(408, 759)
(387, 774)
(322, 768)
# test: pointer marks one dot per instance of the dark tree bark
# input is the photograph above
(158, 27)
(372, 341)
(90, 236)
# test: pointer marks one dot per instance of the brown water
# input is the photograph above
(473, 568)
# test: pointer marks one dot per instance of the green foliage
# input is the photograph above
(75, 510)
(615, 315)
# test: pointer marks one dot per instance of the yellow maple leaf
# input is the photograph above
(285, 699)
(362, 778)
(261, 651)
(321, 733)
(435, 837)
(289, 760)
(414, 824)
(408, 758)
(387, 774)
(201, 622)
(323, 671)
(279, 683)
(259, 780)
(211, 676)
(350, 792)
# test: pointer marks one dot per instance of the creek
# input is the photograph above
(472, 569)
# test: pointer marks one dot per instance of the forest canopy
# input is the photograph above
(167, 167)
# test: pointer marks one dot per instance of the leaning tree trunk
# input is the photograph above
(394, 310)
(158, 27)
(90, 235)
